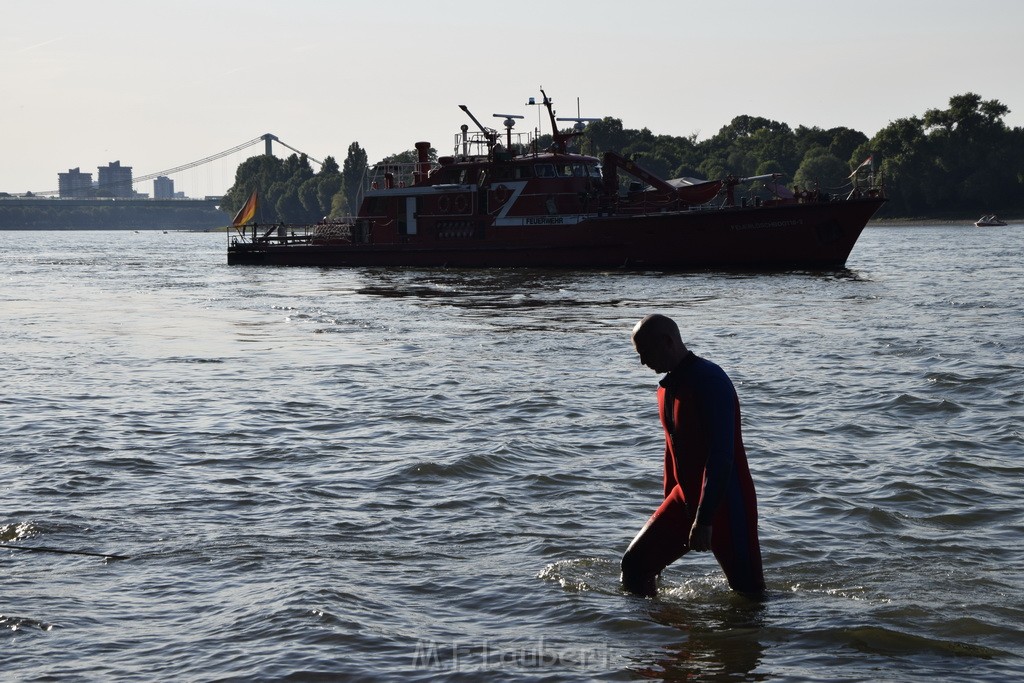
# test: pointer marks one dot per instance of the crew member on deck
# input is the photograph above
(709, 502)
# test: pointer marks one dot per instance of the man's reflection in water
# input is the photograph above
(720, 640)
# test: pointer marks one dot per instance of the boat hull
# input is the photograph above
(811, 235)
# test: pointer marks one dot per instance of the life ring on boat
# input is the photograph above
(444, 203)
(461, 204)
(502, 193)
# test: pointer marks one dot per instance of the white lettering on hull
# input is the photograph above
(538, 220)
(768, 225)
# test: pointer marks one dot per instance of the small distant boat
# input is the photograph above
(988, 221)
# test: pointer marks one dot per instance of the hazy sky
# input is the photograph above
(157, 85)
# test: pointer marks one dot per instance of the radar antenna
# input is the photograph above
(509, 122)
(581, 122)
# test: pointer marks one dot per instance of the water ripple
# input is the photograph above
(407, 474)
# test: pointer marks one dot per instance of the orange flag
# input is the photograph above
(869, 160)
(247, 212)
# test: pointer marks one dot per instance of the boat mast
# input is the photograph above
(560, 140)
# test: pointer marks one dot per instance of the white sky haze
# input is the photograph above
(158, 85)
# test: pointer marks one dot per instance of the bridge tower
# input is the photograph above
(268, 138)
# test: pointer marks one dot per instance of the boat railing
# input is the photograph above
(479, 144)
(384, 176)
(321, 232)
(866, 182)
(771, 194)
(755, 195)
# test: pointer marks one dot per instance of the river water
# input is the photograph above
(394, 474)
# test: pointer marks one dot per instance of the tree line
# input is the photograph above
(951, 162)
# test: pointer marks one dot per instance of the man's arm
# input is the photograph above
(718, 414)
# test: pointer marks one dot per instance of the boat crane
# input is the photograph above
(489, 133)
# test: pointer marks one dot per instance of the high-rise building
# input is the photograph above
(74, 183)
(115, 180)
(163, 188)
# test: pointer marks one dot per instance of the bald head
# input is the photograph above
(656, 338)
(656, 323)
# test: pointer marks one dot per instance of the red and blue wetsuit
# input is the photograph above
(706, 478)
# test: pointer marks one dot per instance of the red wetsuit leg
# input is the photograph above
(735, 544)
(661, 541)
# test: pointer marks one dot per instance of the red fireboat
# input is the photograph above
(494, 205)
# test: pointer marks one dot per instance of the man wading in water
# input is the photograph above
(709, 502)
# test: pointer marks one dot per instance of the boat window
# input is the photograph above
(565, 170)
(376, 206)
(500, 173)
(524, 171)
(447, 175)
(595, 170)
(545, 170)
(481, 177)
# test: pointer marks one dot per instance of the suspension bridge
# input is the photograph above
(268, 140)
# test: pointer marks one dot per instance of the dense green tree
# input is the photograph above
(327, 188)
(316, 192)
(897, 153)
(289, 205)
(779, 146)
(289, 190)
(409, 156)
(605, 135)
(309, 197)
(966, 141)
(353, 172)
(296, 166)
(739, 147)
(820, 169)
(959, 160)
(845, 141)
(256, 173)
(968, 114)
